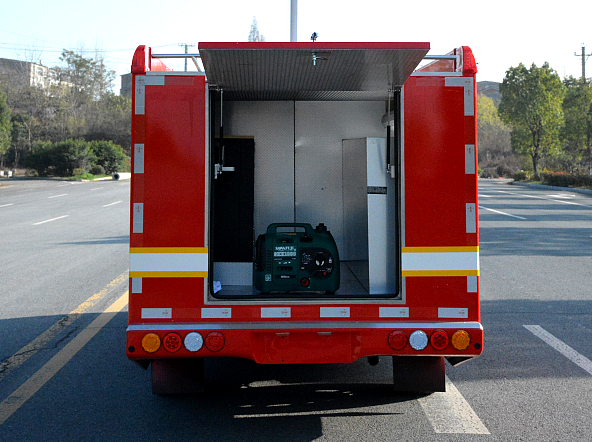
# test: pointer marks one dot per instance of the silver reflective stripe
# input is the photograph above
(469, 158)
(140, 90)
(138, 218)
(471, 218)
(467, 84)
(471, 284)
(284, 325)
(138, 158)
(448, 312)
(136, 285)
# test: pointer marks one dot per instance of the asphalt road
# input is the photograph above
(64, 374)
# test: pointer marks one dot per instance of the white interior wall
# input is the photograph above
(302, 139)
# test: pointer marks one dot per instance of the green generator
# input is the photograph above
(294, 257)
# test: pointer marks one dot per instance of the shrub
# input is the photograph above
(87, 176)
(489, 172)
(78, 172)
(562, 179)
(520, 176)
(40, 158)
(97, 170)
(108, 155)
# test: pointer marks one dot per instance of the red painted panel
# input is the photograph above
(174, 164)
(435, 184)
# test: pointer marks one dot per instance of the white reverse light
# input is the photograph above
(418, 340)
(193, 341)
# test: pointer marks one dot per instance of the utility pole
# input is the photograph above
(584, 59)
(293, 20)
(186, 45)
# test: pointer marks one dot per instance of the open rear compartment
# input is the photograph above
(305, 197)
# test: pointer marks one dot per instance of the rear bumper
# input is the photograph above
(303, 343)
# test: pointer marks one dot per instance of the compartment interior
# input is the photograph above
(306, 162)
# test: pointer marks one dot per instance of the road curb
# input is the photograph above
(546, 187)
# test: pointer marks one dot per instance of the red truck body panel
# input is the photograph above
(170, 241)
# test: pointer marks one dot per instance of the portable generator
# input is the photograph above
(294, 257)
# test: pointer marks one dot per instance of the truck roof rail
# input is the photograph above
(193, 57)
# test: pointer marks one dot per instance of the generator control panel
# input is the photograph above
(294, 257)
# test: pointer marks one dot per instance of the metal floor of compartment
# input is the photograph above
(354, 281)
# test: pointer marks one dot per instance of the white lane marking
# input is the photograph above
(450, 413)
(501, 213)
(6, 205)
(50, 220)
(578, 359)
(96, 188)
(57, 196)
(112, 204)
(563, 195)
(544, 198)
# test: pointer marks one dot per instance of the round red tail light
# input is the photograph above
(397, 340)
(439, 340)
(215, 341)
(172, 342)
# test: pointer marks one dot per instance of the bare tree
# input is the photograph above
(254, 34)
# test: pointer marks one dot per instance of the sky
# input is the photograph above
(501, 33)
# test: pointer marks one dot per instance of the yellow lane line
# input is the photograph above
(32, 385)
(14, 361)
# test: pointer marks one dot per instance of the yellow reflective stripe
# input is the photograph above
(440, 249)
(440, 273)
(168, 250)
(440, 261)
(168, 274)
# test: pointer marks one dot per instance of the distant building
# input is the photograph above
(490, 89)
(25, 73)
(126, 86)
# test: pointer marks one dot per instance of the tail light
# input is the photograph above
(150, 342)
(439, 340)
(172, 342)
(418, 340)
(397, 340)
(215, 341)
(461, 340)
(193, 341)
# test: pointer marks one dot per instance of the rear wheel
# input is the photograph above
(419, 374)
(178, 376)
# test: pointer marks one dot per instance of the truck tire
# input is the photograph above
(419, 374)
(178, 376)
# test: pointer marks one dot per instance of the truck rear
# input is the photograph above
(304, 203)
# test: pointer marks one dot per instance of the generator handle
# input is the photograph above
(272, 228)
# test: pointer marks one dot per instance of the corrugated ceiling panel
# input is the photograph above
(291, 73)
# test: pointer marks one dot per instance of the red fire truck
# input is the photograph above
(304, 203)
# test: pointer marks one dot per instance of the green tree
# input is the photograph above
(24, 129)
(577, 131)
(532, 104)
(5, 127)
(110, 119)
(493, 133)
